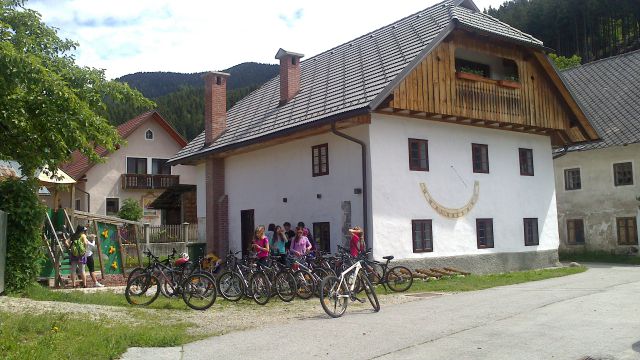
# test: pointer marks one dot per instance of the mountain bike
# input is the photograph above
(270, 280)
(336, 292)
(398, 278)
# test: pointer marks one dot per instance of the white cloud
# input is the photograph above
(163, 35)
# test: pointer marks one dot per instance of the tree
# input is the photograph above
(130, 210)
(563, 62)
(49, 106)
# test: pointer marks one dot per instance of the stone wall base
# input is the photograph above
(488, 263)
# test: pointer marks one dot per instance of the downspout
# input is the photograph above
(365, 215)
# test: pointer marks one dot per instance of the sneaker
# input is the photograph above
(99, 285)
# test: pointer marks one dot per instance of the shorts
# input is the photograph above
(90, 264)
(75, 262)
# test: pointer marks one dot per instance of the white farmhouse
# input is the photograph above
(433, 133)
(598, 184)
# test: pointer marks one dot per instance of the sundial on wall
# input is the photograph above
(452, 213)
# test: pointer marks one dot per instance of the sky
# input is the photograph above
(131, 36)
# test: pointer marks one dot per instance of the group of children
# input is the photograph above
(279, 241)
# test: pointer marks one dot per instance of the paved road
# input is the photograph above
(595, 314)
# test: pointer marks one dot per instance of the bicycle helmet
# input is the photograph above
(183, 259)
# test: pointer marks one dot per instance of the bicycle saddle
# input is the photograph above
(390, 257)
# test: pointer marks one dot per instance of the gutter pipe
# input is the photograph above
(363, 146)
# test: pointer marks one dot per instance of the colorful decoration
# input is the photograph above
(114, 265)
(112, 249)
(452, 212)
(105, 233)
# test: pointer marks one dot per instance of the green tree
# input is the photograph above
(563, 62)
(130, 210)
(49, 106)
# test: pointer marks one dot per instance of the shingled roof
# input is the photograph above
(80, 164)
(351, 78)
(609, 92)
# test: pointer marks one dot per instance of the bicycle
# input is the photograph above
(198, 289)
(398, 278)
(269, 280)
(335, 292)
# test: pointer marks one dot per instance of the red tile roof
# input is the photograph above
(80, 164)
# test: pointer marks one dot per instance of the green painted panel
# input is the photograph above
(108, 234)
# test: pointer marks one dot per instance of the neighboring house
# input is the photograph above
(434, 133)
(599, 184)
(136, 170)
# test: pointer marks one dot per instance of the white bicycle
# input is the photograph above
(336, 292)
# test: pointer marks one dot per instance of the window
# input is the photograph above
(627, 231)
(78, 204)
(136, 165)
(531, 232)
(322, 236)
(320, 159)
(473, 67)
(510, 70)
(623, 174)
(418, 155)
(526, 162)
(484, 232)
(422, 236)
(159, 166)
(113, 206)
(480, 156)
(148, 135)
(572, 179)
(575, 231)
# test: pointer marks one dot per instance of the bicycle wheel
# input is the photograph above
(374, 272)
(399, 278)
(371, 293)
(260, 288)
(142, 289)
(168, 286)
(285, 286)
(304, 284)
(334, 296)
(199, 291)
(134, 272)
(230, 286)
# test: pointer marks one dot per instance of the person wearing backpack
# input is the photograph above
(77, 245)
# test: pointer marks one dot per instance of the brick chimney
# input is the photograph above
(215, 105)
(289, 74)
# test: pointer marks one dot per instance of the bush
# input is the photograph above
(24, 231)
(130, 210)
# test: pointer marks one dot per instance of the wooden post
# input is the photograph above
(122, 254)
(131, 226)
(99, 246)
(147, 236)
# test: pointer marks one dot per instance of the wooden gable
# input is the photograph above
(535, 103)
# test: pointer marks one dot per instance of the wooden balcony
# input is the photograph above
(488, 99)
(148, 181)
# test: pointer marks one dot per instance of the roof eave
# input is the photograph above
(203, 153)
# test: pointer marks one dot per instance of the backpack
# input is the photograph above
(77, 247)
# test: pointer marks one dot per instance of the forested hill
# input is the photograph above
(156, 84)
(180, 97)
(592, 29)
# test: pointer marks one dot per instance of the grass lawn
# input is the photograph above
(599, 256)
(59, 336)
(479, 282)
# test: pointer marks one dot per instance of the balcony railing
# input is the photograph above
(488, 99)
(148, 181)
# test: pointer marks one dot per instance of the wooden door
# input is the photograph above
(247, 227)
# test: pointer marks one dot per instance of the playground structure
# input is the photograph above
(119, 242)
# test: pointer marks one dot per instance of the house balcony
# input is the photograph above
(148, 181)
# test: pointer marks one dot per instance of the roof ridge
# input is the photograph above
(613, 57)
(507, 25)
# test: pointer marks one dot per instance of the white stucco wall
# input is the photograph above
(104, 179)
(599, 201)
(260, 179)
(505, 195)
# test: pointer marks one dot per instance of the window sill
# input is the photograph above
(509, 84)
(474, 77)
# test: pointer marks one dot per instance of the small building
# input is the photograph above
(137, 170)
(598, 184)
(433, 133)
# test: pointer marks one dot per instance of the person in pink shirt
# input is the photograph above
(261, 246)
(300, 244)
(357, 241)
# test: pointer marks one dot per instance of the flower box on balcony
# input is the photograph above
(470, 76)
(509, 84)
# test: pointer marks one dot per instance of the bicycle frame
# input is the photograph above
(357, 266)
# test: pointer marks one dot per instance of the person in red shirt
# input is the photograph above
(357, 241)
